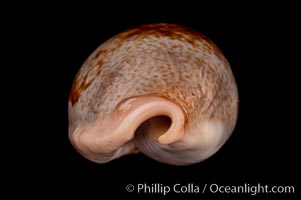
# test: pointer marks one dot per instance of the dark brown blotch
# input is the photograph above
(81, 84)
(172, 31)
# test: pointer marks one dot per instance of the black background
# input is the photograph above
(259, 45)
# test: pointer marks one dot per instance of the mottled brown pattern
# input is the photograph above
(163, 60)
(82, 84)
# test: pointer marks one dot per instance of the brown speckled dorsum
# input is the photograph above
(161, 89)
